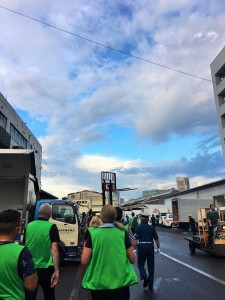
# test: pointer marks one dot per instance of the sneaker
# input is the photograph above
(145, 283)
(150, 286)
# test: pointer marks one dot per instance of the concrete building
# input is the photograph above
(218, 78)
(14, 134)
(150, 193)
(87, 200)
(182, 184)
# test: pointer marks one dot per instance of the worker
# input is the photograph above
(192, 225)
(213, 218)
(42, 238)
(146, 235)
(17, 271)
(108, 255)
(95, 223)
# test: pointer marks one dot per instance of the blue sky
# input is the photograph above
(94, 109)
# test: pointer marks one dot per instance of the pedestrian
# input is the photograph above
(192, 225)
(17, 271)
(153, 220)
(95, 223)
(146, 235)
(108, 255)
(119, 215)
(132, 217)
(42, 238)
(134, 224)
(212, 218)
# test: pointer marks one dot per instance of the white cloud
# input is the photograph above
(80, 89)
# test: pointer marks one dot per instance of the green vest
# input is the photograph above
(39, 243)
(109, 267)
(11, 285)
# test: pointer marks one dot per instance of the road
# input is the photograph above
(178, 274)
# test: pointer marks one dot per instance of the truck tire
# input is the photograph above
(192, 248)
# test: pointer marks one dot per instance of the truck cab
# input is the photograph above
(66, 217)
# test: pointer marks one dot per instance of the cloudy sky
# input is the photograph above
(94, 109)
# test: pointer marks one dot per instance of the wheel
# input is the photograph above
(192, 248)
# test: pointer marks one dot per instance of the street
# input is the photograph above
(178, 274)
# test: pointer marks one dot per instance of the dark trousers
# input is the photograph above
(44, 280)
(117, 294)
(146, 253)
(210, 234)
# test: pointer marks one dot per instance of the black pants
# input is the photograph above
(117, 294)
(210, 234)
(44, 280)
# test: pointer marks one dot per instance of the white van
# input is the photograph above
(168, 221)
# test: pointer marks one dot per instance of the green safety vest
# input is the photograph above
(39, 243)
(109, 267)
(11, 285)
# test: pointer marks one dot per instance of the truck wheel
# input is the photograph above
(192, 248)
(61, 257)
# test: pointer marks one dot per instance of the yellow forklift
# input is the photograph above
(200, 240)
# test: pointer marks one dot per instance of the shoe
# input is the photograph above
(145, 283)
(150, 286)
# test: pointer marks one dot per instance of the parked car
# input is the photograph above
(168, 221)
(162, 216)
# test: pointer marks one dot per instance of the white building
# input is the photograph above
(218, 77)
(14, 134)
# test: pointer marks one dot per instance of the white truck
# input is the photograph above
(182, 208)
(19, 189)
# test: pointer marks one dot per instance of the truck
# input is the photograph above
(19, 189)
(182, 208)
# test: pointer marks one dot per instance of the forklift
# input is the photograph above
(200, 240)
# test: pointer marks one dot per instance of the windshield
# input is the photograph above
(63, 213)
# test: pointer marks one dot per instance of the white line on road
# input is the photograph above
(194, 269)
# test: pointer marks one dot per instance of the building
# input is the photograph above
(87, 200)
(150, 193)
(14, 134)
(218, 78)
(182, 184)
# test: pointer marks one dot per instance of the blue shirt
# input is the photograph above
(146, 233)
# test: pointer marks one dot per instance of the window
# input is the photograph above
(63, 213)
(3, 120)
(17, 137)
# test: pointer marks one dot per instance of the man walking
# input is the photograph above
(192, 224)
(146, 235)
(42, 238)
(17, 271)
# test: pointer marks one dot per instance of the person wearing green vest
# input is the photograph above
(17, 271)
(95, 223)
(42, 238)
(108, 255)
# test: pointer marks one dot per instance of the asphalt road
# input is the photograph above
(178, 274)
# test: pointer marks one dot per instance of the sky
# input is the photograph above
(101, 92)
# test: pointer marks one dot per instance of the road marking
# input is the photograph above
(156, 284)
(194, 269)
(76, 286)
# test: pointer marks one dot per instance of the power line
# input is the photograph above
(107, 47)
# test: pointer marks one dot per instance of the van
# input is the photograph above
(168, 221)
